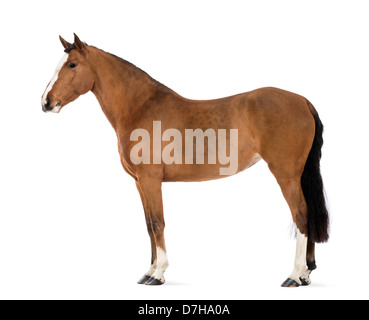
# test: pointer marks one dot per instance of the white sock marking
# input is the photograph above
(300, 259)
(161, 264)
(152, 269)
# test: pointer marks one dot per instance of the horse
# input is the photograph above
(280, 127)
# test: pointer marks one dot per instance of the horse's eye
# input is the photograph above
(72, 65)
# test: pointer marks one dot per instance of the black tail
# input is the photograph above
(312, 186)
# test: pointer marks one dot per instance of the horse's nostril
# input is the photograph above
(46, 106)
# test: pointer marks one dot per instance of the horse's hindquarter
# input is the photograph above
(283, 126)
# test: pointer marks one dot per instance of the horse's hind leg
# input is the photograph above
(292, 192)
(310, 261)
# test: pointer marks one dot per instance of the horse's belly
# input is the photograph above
(204, 172)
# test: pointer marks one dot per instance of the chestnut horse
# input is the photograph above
(278, 126)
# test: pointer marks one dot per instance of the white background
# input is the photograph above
(71, 221)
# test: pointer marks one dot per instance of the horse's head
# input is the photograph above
(73, 77)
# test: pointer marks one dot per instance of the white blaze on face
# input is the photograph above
(55, 77)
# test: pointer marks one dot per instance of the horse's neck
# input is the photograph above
(121, 88)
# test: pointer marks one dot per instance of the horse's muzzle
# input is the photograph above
(48, 108)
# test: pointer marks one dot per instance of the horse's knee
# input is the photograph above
(154, 226)
(157, 227)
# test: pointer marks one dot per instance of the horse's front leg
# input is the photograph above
(150, 192)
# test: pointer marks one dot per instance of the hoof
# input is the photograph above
(305, 282)
(144, 279)
(154, 282)
(290, 283)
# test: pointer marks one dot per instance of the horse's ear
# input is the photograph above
(79, 44)
(65, 44)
